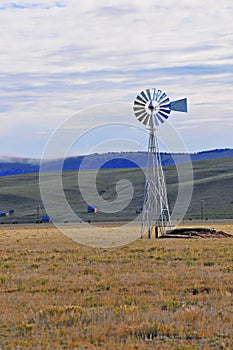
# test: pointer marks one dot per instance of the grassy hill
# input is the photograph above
(17, 166)
(213, 184)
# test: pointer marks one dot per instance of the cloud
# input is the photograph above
(23, 5)
(58, 57)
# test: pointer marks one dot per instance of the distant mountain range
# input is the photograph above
(16, 166)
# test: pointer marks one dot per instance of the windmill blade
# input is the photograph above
(146, 121)
(143, 95)
(159, 94)
(179, 105)
(153, 92)
(141, 98)
(148, 94)
(167, 106)
(155, 120)
(159, 117)
(160, 97)
(139, 113)
(164, 112)
(138, 98)
(143, 118)
(166, 102)
(138, 108)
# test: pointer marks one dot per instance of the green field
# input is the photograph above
(213, 183)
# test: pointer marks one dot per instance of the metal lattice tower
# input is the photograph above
(152, 107)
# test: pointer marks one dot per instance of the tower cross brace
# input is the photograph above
(155, 215)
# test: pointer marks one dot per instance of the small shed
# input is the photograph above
(45, 218)
(92, 209)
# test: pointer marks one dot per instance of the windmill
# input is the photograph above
(152, 107)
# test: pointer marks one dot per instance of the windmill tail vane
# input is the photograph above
(179, 105)
(152, 107)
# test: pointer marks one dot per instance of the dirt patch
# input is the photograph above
(197, 232)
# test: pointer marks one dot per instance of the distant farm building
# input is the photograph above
(10, 212)
(45, 218)
(92, 209)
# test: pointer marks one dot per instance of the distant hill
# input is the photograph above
(111, 160)
(212, 191)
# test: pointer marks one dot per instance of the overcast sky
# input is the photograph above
(61, 57)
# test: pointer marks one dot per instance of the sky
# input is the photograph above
(59, 59)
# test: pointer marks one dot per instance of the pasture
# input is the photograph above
(212, 186)
(149, 294)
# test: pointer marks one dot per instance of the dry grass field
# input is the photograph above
(150, 294)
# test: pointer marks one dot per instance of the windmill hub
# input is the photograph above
(152, 106)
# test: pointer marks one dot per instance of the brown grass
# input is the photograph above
(151, 294)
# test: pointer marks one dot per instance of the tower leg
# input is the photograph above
(155, 216)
